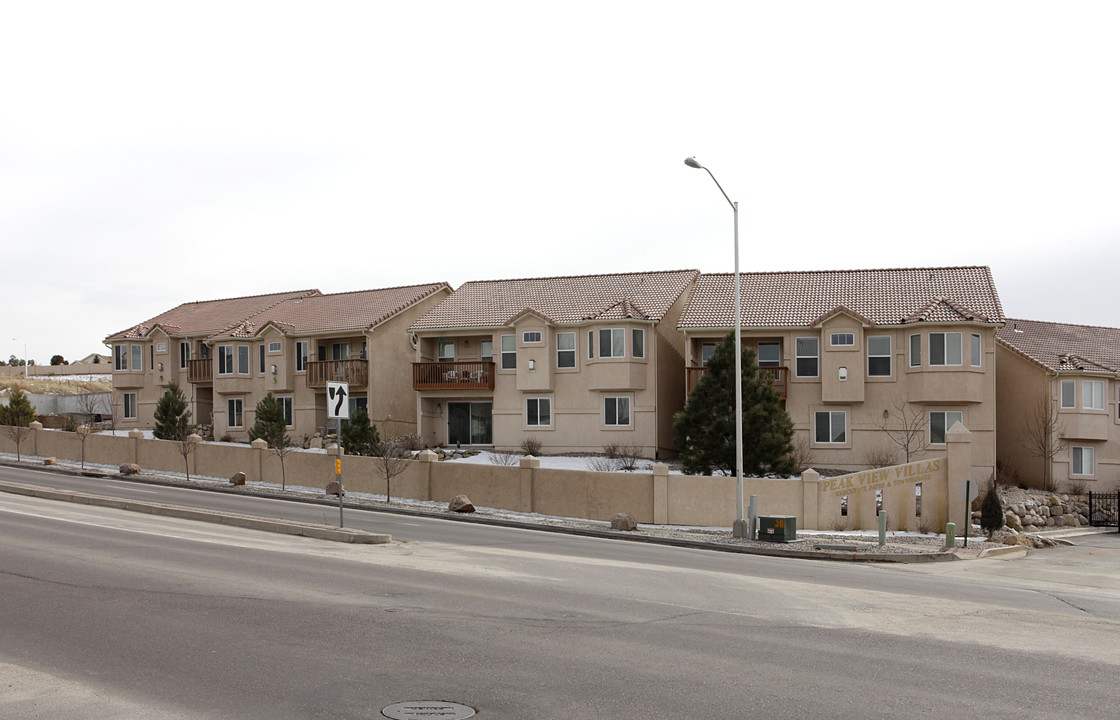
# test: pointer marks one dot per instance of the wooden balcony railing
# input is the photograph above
(355, 372)
(453, 376)
(200, 370)
(693, 375)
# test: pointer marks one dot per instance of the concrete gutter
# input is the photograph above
(250, 522)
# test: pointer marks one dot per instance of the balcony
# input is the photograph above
(453, 376)
(200, 371)
(354, 372)
(693, 375)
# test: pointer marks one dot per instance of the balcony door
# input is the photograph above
(769, 354)
(470, 423)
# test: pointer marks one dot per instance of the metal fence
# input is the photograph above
(1104, 509)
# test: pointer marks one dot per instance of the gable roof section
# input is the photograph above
(883, 297)
(349, 311)
(1064, 347)
(207, 316)
(564, 300)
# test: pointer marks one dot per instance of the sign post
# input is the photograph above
(969, 491)
(338, 408)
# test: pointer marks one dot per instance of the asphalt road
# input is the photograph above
(112, 614)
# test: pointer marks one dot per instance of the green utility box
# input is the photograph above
(777, 528)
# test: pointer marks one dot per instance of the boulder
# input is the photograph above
(50, 461)
(129, 469)
(332, 489)
(624, 521)
(460, 504)
(1012, 521)
(238, 478)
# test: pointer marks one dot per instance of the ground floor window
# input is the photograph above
(831, 426)
(234, 418)
(129, 405)
(939, 422)
(538, 412)
(470, 423)
(1083, 461)
(286, 403)
(616, 411)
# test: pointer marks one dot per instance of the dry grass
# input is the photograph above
(55, 386)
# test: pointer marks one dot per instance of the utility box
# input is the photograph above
(777, 528)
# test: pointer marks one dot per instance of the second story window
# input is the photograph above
(260, 359)
(225, 359)
(707, 350)
(612, 343)
(879, 356)
(638, 343)
(531, 336)
(242, 359)
(566, 350)
(915, 351)
(509, 352)
(446, 351)
(841, 339)
(975, 349)
(120, 357)
(301, 355)
(137, 357)
(1068, 390)
(945, 348)
(486, 350)
(184, 355)
(807, 356)
(1092, 394)
(769, 354)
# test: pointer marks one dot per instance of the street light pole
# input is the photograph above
(740, 528)
(24, 356)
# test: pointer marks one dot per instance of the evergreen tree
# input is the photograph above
(172, 416)
(359, 437)
(272, 427)
(16, 417)
(991, 511)
(705, 428)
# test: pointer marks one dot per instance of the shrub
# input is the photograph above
(991, 511)
(531, 446)
(505, 457)
(879, 456)
(1076, 487)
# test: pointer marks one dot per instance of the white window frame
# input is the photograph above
(916, 350)
(831, 416)
(302, 348)
(275, 346)
(1092, 394)
(535, 409)
(120, 357)
(184, 354)
(777, 361)
(532, 337)
(161, 347)
(617, 342)
(590, 344)
(486, 350)
(137, 357)
(976, 350)
(621, 406)
(888, 355)
(705, 356)
(1082, 460)
(509, 354)
(947, 349)
(1067, 400)
(565, 354)
(226, 365)
(243, 361)
(442, 347)
(128, 407)
(842, 339)
(638, 343)
(950, 418)
(232, 414)
(286, 403)
(815, 357)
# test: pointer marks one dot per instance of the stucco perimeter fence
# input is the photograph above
(819, 503)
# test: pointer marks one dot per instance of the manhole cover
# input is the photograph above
(428, 709)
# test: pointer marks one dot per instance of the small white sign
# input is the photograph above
(969, 490)
(338, 400)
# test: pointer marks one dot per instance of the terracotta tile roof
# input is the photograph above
(1063, 347)
(349, 311)
(564, 300)
(883, 297)
(206, 316)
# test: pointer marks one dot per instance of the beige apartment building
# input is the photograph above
(859, 356)
(577, 363)
(1071, 375)
(227, 355)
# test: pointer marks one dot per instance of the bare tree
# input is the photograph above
(803, 455)
(83, 433)
(186, 441)
(1042, 436)
(90, 405)
(906, 428)
(391, 459)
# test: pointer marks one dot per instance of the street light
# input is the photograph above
(741, 528)
(24, 356)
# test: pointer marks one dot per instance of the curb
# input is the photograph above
(250, 522)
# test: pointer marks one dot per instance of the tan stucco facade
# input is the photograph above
(1084, 425)
(841, 377)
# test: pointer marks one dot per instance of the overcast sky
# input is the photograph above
(157, 153)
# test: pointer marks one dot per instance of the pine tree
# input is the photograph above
(705, 428)
(172, 416)
(16, 417)
(991, 511)
(359, 437)
(272, 427)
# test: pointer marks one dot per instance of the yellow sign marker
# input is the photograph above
(337, 467)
